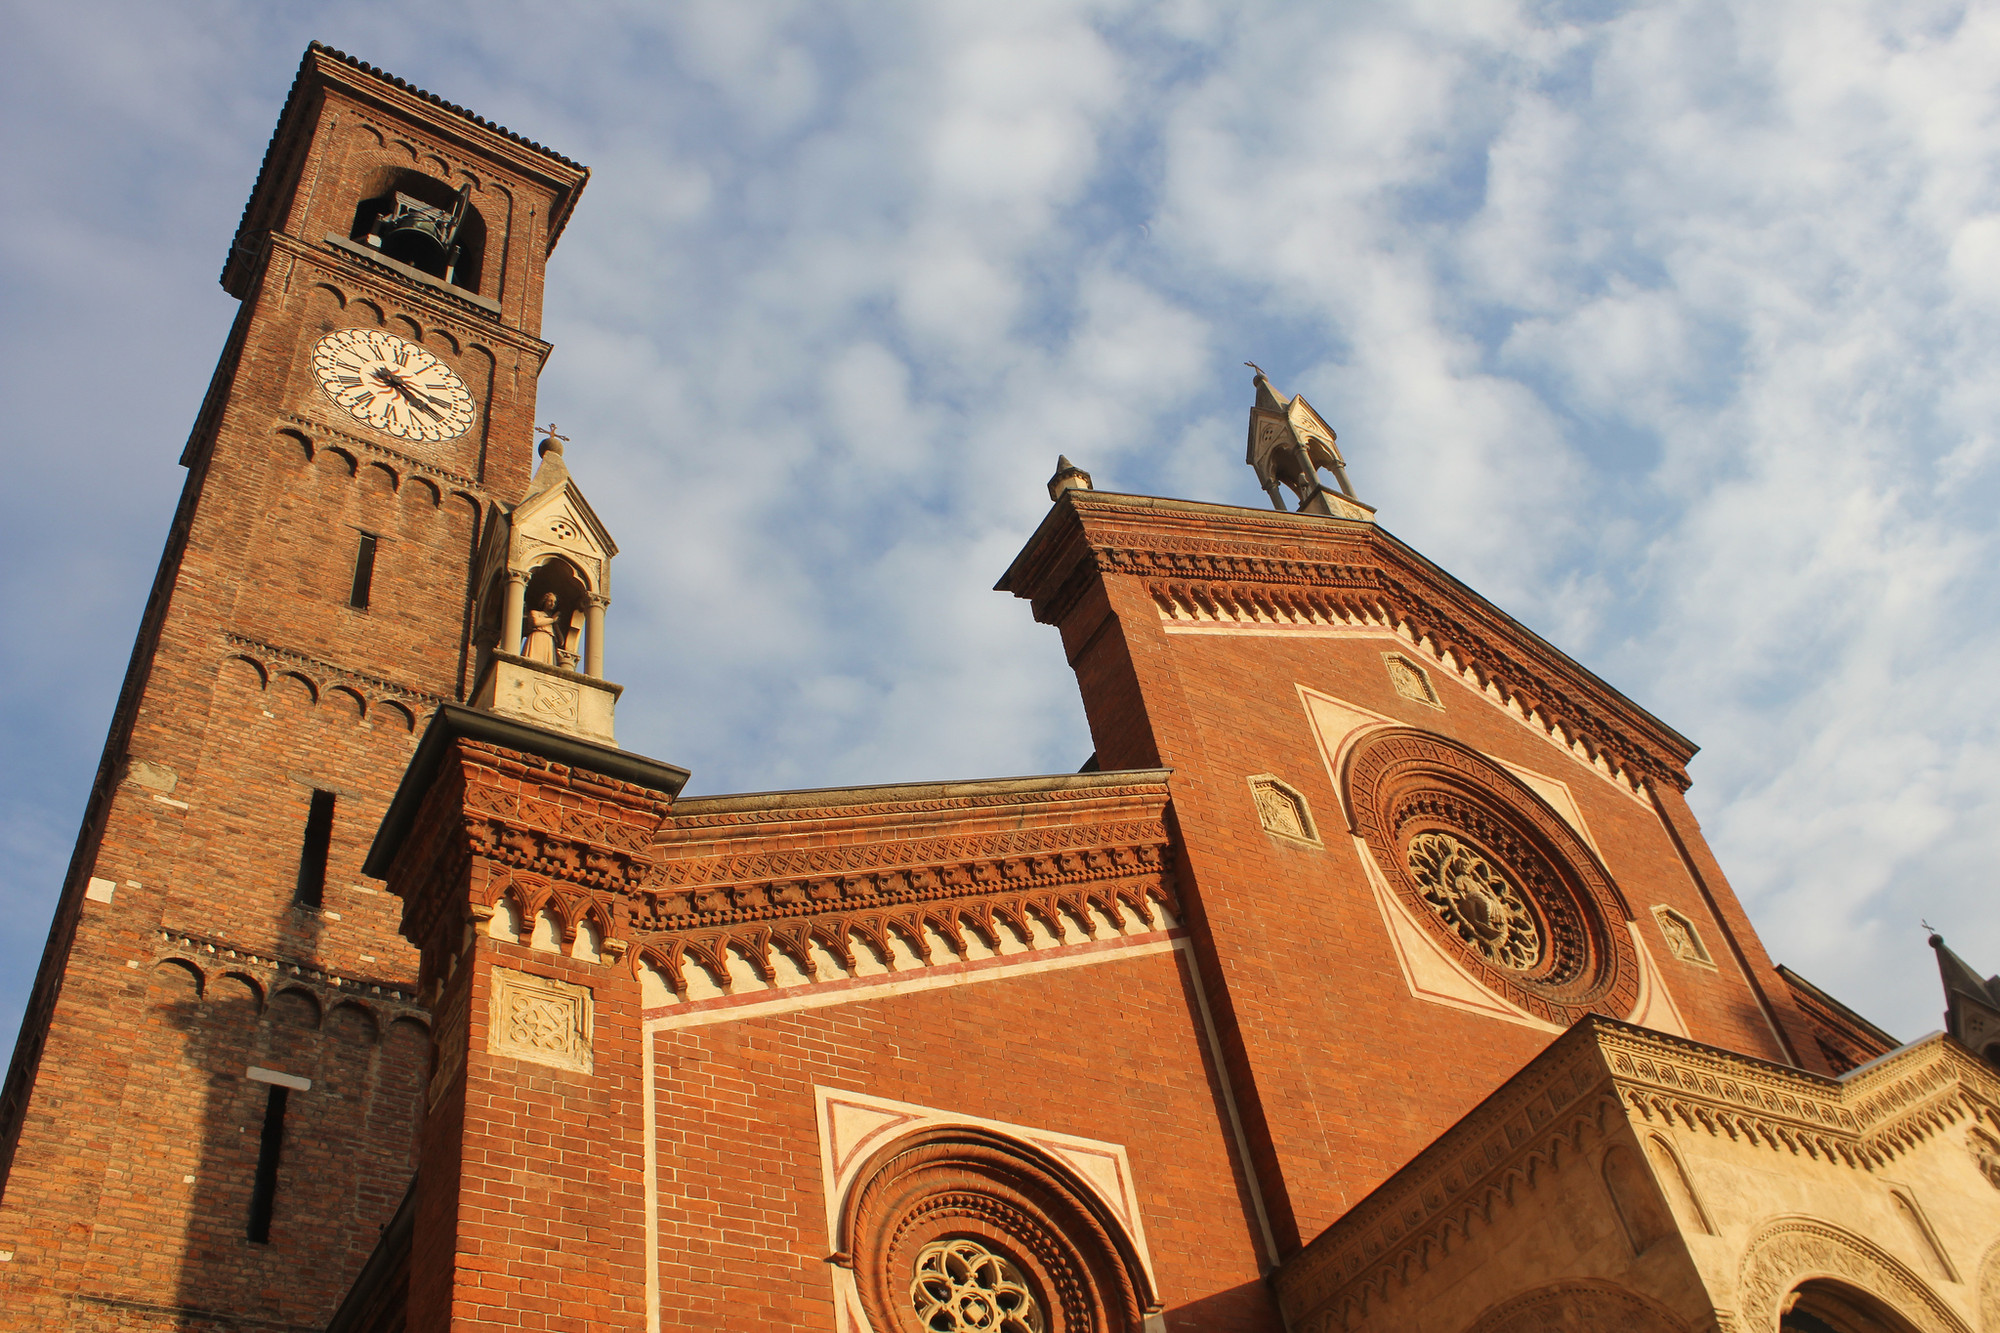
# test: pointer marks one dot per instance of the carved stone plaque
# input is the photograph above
(540, 1019)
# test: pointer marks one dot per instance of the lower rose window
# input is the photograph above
(960, 1286)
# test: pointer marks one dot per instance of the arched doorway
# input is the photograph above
(1826, 1306)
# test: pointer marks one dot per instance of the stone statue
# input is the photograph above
(540, 645)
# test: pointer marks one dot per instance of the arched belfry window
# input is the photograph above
(421, 221)
(955, 1229)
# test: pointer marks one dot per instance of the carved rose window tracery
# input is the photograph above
(960, 1286)
(1494, 875)
(1476, 900)
(963, 1230)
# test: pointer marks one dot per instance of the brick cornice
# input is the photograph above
(836, 871)
(1268, 567)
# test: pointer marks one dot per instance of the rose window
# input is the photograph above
(962, 1287)
(1475, 900)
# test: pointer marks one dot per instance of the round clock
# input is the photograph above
(395, 386)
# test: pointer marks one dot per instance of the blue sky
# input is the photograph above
(1670, 327)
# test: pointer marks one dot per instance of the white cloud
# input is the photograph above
(1670, 328)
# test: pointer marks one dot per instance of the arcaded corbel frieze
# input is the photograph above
(1865, 1120)
(1272, 567)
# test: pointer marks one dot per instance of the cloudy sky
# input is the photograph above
(1671, 327)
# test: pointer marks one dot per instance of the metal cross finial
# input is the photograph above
(550, 431)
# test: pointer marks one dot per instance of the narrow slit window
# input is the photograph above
(312, 855)
(364, 572)
(269, 1148)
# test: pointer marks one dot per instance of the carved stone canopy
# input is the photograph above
(1288, 445)
(545, 580)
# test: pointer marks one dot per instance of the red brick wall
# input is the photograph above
(1109, 1052)
(1346, 1075)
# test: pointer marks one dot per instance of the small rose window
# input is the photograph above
(960, 1286)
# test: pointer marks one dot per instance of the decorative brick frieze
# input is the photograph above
(837, 871)
(1215, 561)
(407, 464)
(214, 956)
(270, 659)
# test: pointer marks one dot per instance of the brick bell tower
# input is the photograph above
(212, 1107)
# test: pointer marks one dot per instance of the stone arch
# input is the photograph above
(1672, 1174)
(239, 988)
(1793, 1251)
(365, 304)
(423, 489)
(352, 1021)
(505, 923)
(655, 989)
(340, 460)
(446, 337)
(296, 688)
(408, 328)
(392, 713)
(548, 929)
(588, 941)
(425, 180)
(1821, 1304)
(1640, 1207)
(296, 1006)
(1988, 1290)
(351, 706)
(176, 982)
(1057, 1239)
(339, 297)
(380, 479)
(293, 446)
(1577, 1306)
(238, 669)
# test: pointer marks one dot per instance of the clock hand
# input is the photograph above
(423, 402)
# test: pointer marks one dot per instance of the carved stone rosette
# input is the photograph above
(1497, 877)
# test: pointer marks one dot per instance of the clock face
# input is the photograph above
(395, 386)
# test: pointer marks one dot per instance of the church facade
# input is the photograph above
(1374, 975)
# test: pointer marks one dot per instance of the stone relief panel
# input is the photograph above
(1282, 808)
(540, 1019)
(1683, 938)
(1411, 681)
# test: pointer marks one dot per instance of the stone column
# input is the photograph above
(510, 619)
(593, 636)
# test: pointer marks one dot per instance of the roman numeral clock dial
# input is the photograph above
(392, 385)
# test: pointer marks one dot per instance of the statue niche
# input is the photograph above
(545, 569)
